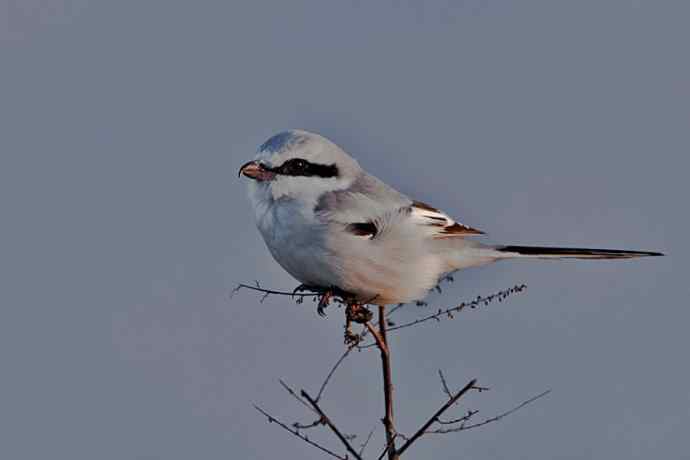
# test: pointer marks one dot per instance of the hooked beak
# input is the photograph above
(256, 171)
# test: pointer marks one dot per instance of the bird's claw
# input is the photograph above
(301, 288)
(324, 300)
(325, 296)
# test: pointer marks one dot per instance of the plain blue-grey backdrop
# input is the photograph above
(124, 226)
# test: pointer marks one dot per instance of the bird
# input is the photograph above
(336, 228)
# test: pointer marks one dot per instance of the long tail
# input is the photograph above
(569, 253)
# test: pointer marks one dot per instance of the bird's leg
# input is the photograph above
(358, 313)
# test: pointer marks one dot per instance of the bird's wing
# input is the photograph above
(440, 224)
(365, 199)
(369, 207)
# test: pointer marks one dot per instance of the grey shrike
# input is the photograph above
(332, 225)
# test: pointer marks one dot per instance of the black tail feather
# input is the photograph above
(577, 253)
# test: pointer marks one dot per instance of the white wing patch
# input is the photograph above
(440, 224)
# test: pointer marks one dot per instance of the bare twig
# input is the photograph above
(464, 418)
(294, 394)
(394, 309)
(330, 425)
(295, 432)
(444, 384)
(332, 371)
(464, 427)
(366, 442)
(436, 415)
(306, 426)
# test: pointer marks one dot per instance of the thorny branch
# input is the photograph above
(299, 399)
(327, 421)
(436, 415)
(379, 331)
(446, 390)
(330, 374)
(316, 293)
(296, 432)
(294, 394)
(448, 312)
(498, 417)
(366, 442)
(464, 418)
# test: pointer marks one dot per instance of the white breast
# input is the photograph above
(297, 241)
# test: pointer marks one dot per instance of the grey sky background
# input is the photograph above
(124, 226)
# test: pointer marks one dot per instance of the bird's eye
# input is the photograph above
(295, 167)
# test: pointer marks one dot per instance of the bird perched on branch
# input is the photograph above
(333, 226)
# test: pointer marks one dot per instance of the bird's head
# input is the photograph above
(299, 165)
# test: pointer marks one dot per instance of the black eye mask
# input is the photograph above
(300, 167)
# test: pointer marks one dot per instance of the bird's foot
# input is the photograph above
(308, 290)
(303, 288)
(325, 296)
